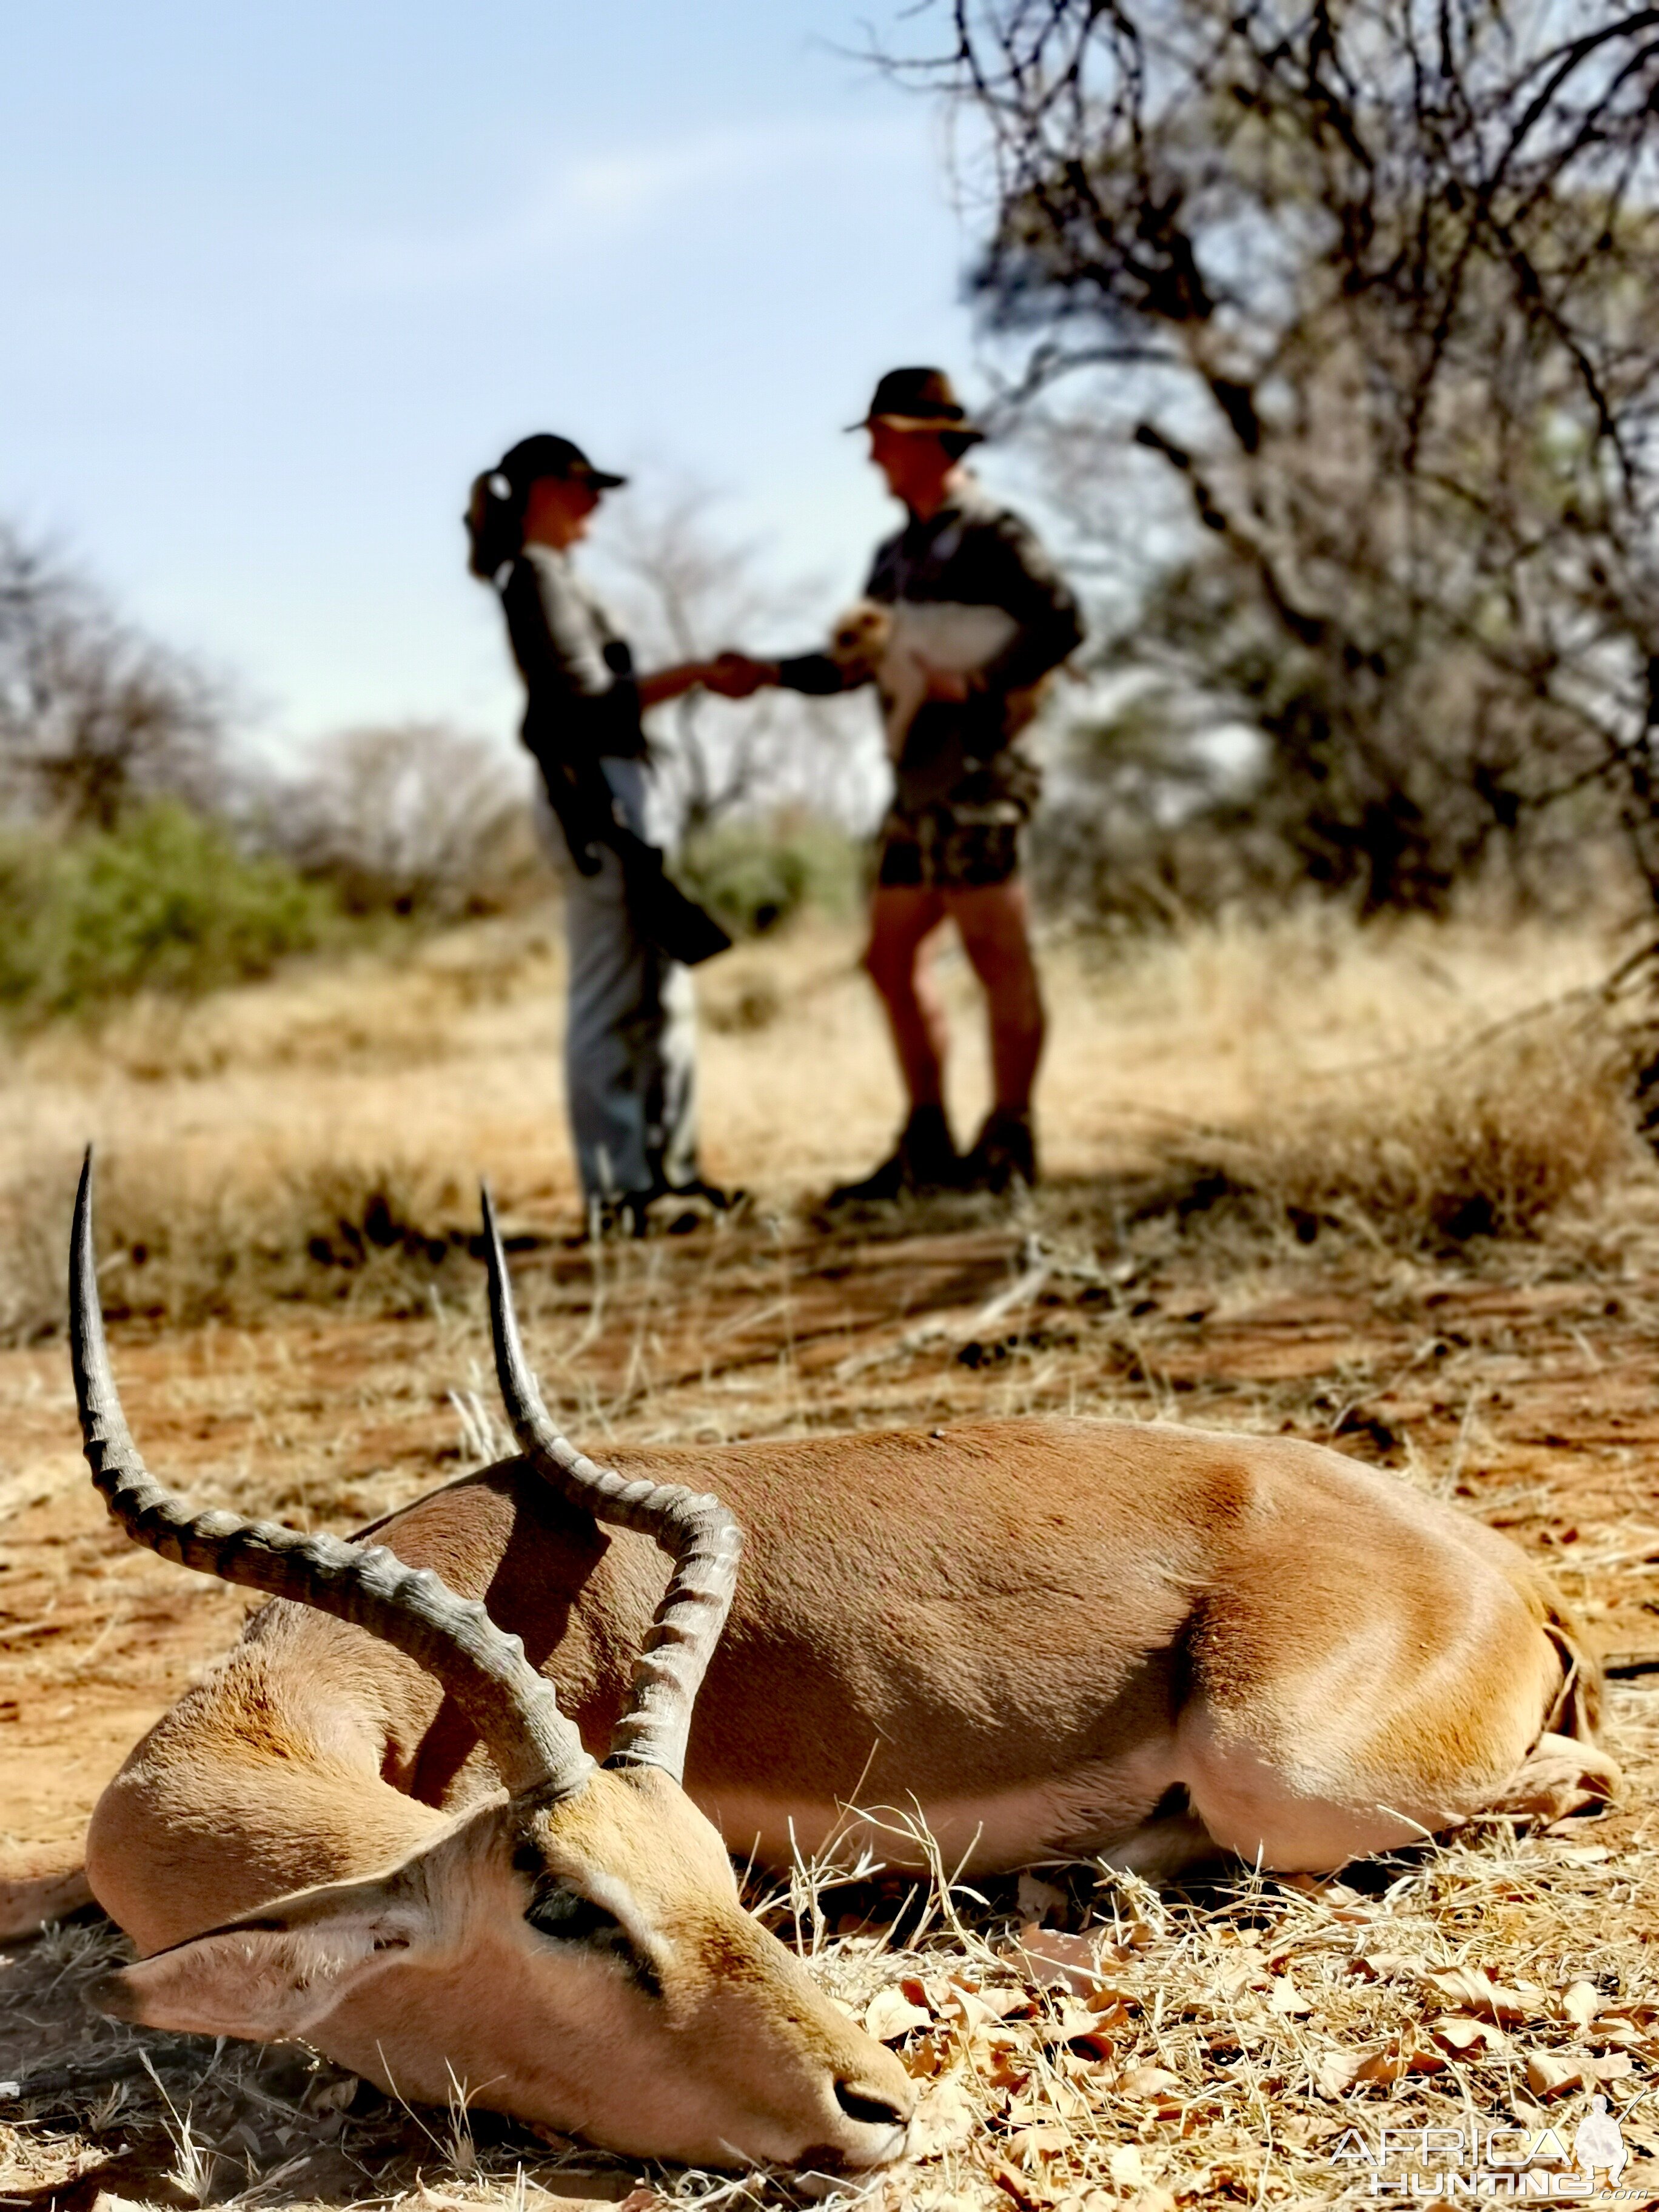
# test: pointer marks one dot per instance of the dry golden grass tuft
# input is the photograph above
(372, 1233)
(1439, 1148)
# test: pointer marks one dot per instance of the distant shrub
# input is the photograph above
(1487, 1144)
(95, 717)
(229, 1239)
(413, 820)
(756, 875)
(166, 902)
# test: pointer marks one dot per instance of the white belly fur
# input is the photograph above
(1063, 1817)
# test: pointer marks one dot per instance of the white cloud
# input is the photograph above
(591, 202)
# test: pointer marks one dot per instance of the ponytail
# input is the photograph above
(494, 523)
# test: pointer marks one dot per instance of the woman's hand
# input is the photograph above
(731, 675)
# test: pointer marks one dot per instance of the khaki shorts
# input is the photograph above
(968, 840)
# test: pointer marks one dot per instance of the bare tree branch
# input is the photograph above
(94, 716)
(1372, 283)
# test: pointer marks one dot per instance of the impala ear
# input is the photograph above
(277, 1973)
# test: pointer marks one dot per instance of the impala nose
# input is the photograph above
(881, 2121)
(863, 2103)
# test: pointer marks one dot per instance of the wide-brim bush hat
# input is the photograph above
(919, 399)
(545, 455)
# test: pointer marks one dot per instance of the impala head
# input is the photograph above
(574, 1954)
(584, 1963)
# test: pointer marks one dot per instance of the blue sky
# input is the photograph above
(279, 280)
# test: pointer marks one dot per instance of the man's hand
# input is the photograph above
(735, 676)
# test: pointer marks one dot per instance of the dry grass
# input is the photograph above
(1082, 2042)
(320, 1138)
(1442, 1148)
(1218, 2046)
(1199, 2050)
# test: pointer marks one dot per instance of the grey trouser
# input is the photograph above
(630, 1034)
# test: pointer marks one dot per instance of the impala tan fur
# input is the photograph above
(1052, 1639)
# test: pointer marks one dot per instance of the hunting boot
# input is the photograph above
(924, 1161)
(1004, 1154)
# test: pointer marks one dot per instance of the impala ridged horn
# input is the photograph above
(696, 1530)
(515, 1712)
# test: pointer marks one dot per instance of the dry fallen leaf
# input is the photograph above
(1287, 2000)
(1472, 1989)
(1000, 2061)
(1247, 1969)
(1154, 2200)
(944, 2119)
(1007, 2003)
(1053, 2100)
(1071, 2020)
(1127, 2166)
(1580, 2003)
(1457, 2031)
(1382, 1966)
(890, 2015)
(1390, 2064)
(968, 2009)
(1550, 2076)
(1056, 1961)
(1335, 2071)
(1039, 2141)
(929, 2055)
(1030, 2191)
(1339, 2070)
(1148, 2081)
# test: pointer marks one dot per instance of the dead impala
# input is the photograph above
(373, 1824)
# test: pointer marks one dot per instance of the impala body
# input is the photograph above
(1049, 1639)
(1058, 1639)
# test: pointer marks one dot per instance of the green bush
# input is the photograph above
(755, 875)
(166, 902)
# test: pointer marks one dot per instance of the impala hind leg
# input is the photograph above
(1265, 1804)
(1336, 1763)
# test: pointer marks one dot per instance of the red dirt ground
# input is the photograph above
(1536, 1403)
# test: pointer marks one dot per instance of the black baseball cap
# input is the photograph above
(545, 455)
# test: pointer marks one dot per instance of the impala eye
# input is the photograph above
(565, 1916)
(569, 1917)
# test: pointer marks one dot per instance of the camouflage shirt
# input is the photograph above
(974, 552)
